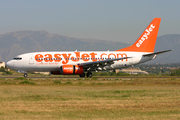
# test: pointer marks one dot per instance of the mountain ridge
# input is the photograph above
(18, 42)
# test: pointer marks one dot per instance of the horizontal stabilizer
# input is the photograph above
(156, 53)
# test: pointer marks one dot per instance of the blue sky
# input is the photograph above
(113, 20)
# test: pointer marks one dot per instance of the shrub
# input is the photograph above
(57, 82)
(175, 72)
(94, 78)
(27, 82)
(122, 74)
(20, 78)
(2, 69)
(68, 82)
(7, 73)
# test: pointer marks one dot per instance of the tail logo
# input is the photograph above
(145, 35)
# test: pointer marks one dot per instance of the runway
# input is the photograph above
(98, 77)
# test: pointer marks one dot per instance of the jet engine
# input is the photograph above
(69, 70)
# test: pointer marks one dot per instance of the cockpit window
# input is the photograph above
(17, 58)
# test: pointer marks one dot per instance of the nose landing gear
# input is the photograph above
(25, 75)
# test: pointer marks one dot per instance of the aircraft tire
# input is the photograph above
(89, 74)
(82, 75)
(25, 75)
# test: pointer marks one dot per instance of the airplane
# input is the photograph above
(83, 63)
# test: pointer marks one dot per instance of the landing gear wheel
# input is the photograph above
(82, 75)
(89, 74)
(25, 75)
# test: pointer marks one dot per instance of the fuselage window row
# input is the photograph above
(67, 58)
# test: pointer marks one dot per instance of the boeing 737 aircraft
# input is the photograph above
(83, 63)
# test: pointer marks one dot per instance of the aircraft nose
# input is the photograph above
(9, 64)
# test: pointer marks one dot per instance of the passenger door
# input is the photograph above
(31, 59)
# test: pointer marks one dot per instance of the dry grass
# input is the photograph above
(99, 99)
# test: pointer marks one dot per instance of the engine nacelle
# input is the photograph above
(69, 70)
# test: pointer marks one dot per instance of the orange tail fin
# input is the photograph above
(146, 42)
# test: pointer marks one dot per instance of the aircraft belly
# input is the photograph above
(47, 68)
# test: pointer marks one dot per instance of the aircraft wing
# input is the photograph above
(102, 63)
(156, 53)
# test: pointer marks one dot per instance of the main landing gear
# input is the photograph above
(82, 75)
(25, 75)
(88, 74)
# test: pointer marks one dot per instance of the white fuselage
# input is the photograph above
(51, 61)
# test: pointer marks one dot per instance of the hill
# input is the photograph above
(15, 43)
(166, 42)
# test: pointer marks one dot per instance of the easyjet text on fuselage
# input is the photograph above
(77, 56)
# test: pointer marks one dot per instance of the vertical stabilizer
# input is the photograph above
(146, 42)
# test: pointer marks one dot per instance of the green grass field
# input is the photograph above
(97, 99)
